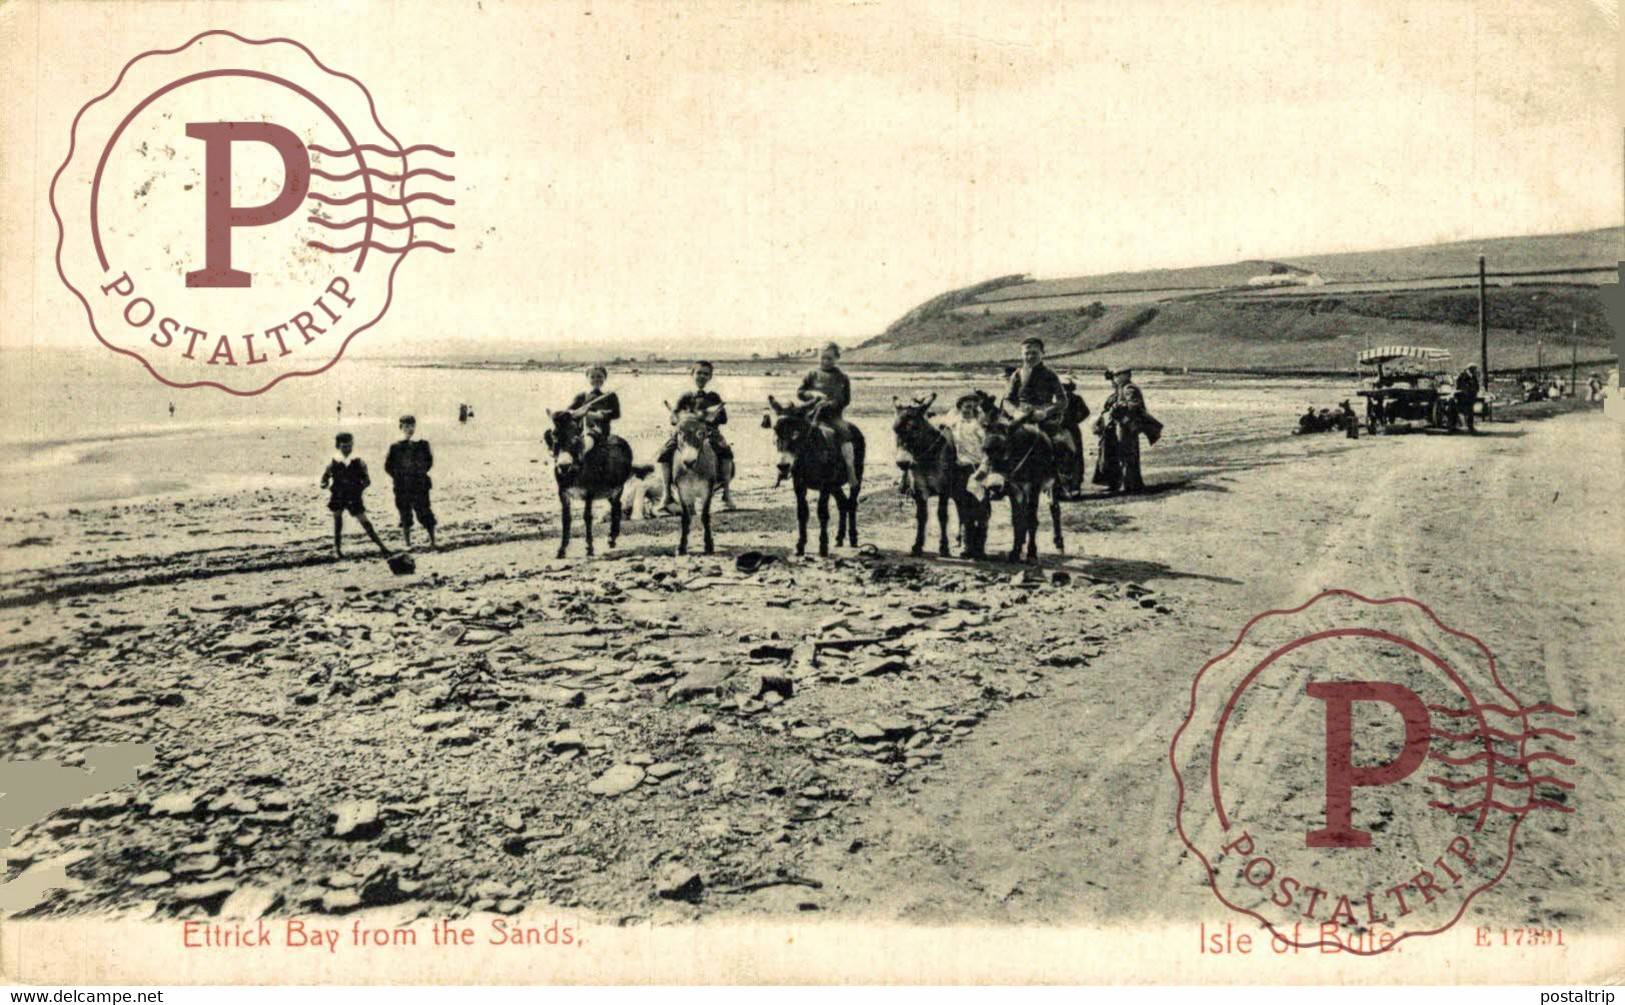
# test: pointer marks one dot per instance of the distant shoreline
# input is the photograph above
(771, 367)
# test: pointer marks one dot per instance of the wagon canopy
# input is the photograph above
(1390, 353)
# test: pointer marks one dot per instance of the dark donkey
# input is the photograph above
(932, 463)
(809, 454)
(1027, 464)
(600, 474)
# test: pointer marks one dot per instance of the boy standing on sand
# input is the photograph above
(347, 479)
(408, 466)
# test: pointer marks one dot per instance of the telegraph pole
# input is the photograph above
(1483, 330)
(1574, 358)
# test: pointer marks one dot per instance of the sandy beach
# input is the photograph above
(623, 736)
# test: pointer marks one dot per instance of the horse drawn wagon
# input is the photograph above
(1406, 387)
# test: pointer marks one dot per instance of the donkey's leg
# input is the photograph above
(615, 516)
(942, 525)
(705, 522)
(586, 521)
(564, 522)
(823, 521)
(1055, 519)
(850, 502)
(801, 520)
(1018, 510)
(1032, 525)
(919, 523)
(685, 514)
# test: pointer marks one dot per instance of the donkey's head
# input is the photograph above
(997, 458)
(692, 436)
(565, 441)
(791, 425)
(913, 428)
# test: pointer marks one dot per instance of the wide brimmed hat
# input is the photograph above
(749, 561)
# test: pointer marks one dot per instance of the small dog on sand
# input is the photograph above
(641, 494)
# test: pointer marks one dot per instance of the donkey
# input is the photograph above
(601, 474)
(809, 454)
(1026, 462)
(695, 475)
(928, 457)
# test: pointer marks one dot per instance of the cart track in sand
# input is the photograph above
(1062, 810)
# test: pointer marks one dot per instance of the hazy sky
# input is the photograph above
(752, 171)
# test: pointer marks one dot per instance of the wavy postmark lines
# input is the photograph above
(232, 212)
(1353, 772)
(373, 208)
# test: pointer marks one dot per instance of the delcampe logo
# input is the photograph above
(232, 212)
(1353, 772)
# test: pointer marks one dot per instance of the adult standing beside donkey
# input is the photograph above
(1126, 416)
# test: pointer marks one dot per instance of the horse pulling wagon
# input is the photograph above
(1405, 387)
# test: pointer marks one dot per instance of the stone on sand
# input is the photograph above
(621, 779)
(355, 818)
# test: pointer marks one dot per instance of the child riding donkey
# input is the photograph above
(819, 451)
(589, 463)
(706, 405)
(829, 389)
(1036, 396)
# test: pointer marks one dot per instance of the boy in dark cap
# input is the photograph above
(408, 466)
(346, 478)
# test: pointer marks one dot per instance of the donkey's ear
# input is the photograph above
(930, 401)
(773, 403)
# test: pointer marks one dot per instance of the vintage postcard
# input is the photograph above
(815, 493)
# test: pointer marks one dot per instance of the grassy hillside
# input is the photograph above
(1201, 277)
(1504, 254)
(1318, 330)
(1323, 334)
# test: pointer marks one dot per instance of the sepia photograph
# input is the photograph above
(841, 492)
